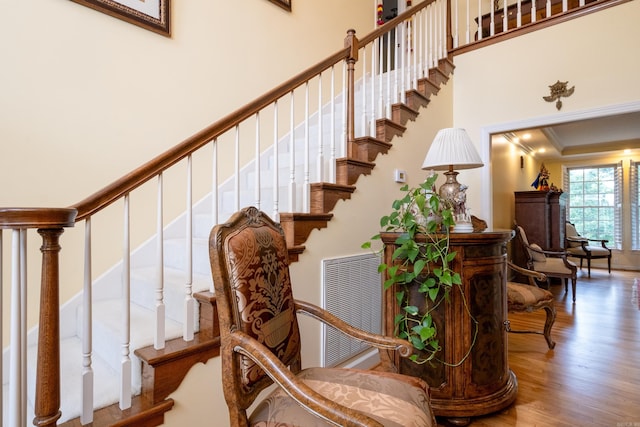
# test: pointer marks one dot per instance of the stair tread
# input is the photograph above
(108, 313)
(105, 379)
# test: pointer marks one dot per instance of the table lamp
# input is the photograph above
(452, 149)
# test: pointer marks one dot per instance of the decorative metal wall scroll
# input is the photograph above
(559, 90)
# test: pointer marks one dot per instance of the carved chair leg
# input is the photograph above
(573, 288)
(589, 266)
(548, 324)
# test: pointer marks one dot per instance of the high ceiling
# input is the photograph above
(581, 139)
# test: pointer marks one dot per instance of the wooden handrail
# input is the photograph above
(37, 217)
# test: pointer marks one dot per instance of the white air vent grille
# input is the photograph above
(352, 290)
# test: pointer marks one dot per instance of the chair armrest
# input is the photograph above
(602, 242)
(403, 347)
(295, 388)
(577, 239)
(557, 254)
(541, 277)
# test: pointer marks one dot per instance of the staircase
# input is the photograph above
(162, 370)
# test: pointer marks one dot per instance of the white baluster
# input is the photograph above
(456, 25)
(159, 336)
(505, 17)
(276, 165)
(533, 12)
(492, 24)
(468, 25)
(17, 416)
(397, 68)
(320, 132)
(292, 157)
(479, 31)
(388, 98)
(237, 169)
(372, 120)
(519, 15)
(214, 185)
(189, 302)
(257, 163)
(23, 320)
(305, 186)
(125, 361)
(344, 109)
(332, 160)
(381, 110)
(363, 125)
(86, 416)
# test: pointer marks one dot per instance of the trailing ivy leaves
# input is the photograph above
(424, 262)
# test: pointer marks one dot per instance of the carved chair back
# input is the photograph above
(249, 263)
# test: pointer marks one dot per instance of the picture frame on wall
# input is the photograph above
(285, 4)
(152, 15)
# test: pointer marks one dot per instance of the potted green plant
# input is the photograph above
(423, 262)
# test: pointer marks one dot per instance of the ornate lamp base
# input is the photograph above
(451, 187)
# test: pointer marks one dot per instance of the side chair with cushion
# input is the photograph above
(529, 297)
(579, 247)
(551, 263)
(260, 344)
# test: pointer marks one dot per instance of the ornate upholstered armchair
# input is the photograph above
(579, 247)
(551, 263)
(260, 343)
(529, 297)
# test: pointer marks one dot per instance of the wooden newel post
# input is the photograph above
(50, 224)
(351, 41)
(47, 404)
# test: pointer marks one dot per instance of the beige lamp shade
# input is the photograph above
(452, 149)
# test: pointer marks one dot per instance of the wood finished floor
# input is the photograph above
(592, 377)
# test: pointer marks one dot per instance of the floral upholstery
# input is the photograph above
(258, 260)
(389, 401)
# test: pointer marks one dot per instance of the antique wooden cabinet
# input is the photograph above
(473, 377)
(542, 215)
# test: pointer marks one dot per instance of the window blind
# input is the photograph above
(633, 193)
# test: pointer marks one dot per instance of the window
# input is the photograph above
(595, 196)
(634, 180)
